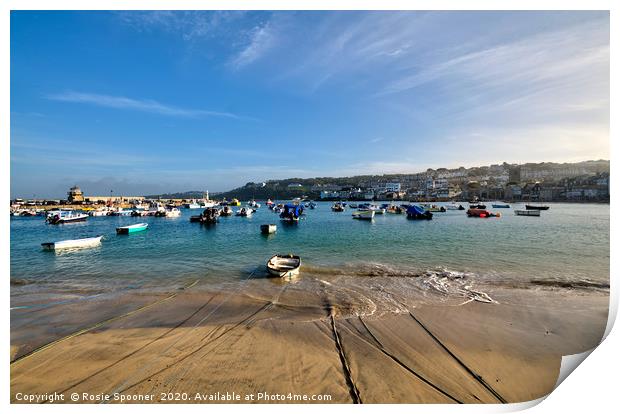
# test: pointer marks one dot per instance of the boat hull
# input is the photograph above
(529, 213)
(284, 265)
(531, 207)
(73, 244)
(132, 229)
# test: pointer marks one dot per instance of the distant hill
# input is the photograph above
(185, 195)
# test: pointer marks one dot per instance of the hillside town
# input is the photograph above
(586, 181)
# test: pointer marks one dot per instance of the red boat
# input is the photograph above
(478, 212)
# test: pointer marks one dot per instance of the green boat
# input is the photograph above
(134, 228)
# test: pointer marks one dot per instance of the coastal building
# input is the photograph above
(75, 195)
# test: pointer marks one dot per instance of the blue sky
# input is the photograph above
(148, 102)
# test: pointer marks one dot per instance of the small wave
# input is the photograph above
(579, 284)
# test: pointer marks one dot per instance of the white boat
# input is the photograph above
(453, 206)
(191, 205)
(207, 204)
(244, 212)
(253, 204)
(173, 212)
(73, 244)
(364, 214)
(66, 217)
(284, 265)
(532, 213)
(99, 212)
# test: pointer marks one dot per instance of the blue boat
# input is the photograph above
(500, 205)
(292, 212)
(418, 213)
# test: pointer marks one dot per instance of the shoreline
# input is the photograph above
(281, 339)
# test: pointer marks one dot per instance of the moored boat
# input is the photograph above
(73, 244)
(244, 212)
(63, 217)
(364, 214)
(282, 265)
(418, 213)
(268, 228)
(226, 211)
(454, 206)
(338, 207)
(134, 228)
(482, 213)
(531, 213)
(535, 207)
(433, 208)
(500, 205)
(291, 212)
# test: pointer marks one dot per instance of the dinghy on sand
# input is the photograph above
(282, 265)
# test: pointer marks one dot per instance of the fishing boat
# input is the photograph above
(418, 213)
(535, 207)
(500, 205)
(291, 212)
(282, 265)
(268, 228)
(226, 211)
(208, 216)
(338, 208)
(99, 212)
(364, 214)
(532, 213)
(481, 213)
(63, 217)
(134, 228)
(73, 244)
(244, 212)
(192, 205)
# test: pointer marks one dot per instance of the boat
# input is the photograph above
(433, 208)
(477, 206)
(351, 205)
(338, 207)
(454, 206)
(244, 212)
(481, 213)
(63, 217)
(312, 205)
(392, 209)
(191, 205)
(98, 213)
(418, 213)
(208, 216)
(500, 205)
(139, 213)
(532, 213)
(234, 203)
(291, 212)
(168, 212)
(364, 214)
(226, 211)
(73, 244)
(534, 207)
(134, 228)
(253, 204)
(269, 203)
(268, 228)
(282, 265)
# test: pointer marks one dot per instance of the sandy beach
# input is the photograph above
(279, 341)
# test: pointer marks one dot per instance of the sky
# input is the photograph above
(147, 102)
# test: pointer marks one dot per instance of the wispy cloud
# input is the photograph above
(143, 105)
(262, 38)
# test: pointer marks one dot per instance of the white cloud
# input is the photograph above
(262, 39)
(144, 105)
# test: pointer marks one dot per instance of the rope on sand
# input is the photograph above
(458, 360)
(97, 325)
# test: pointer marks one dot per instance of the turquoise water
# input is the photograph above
(569, 244)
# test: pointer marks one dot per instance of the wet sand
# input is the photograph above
(282, 340)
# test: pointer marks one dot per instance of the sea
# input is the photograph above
(566, 250)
